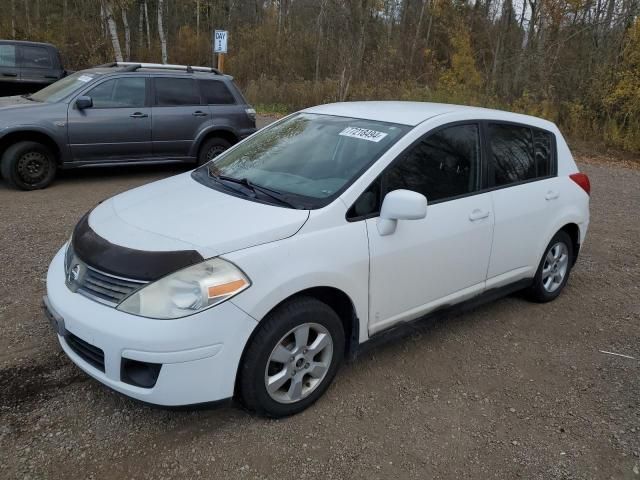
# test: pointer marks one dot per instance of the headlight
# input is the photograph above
(187, 291)
(68, 255)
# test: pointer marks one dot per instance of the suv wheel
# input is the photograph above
(292, 359)
(28, 166)
(553, 271)
(211, 149)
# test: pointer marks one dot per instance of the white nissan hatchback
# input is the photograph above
(256, 274)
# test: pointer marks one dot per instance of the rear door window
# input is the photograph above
(175, 92)
(35, 57)
(216, 92)
(511, 154)
(518, 153)
(7, 56)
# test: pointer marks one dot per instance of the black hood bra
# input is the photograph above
(120, 261)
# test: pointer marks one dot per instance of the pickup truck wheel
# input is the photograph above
(292, 358)
(28, 166)
(211, 148)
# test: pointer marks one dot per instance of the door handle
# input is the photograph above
(478, 214)
(138, 115)
(9, 74)
(199, 113)
(551, 195)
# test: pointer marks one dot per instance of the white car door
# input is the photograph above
(526, 191)
(443, 258)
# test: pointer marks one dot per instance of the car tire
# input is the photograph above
(211, 148)
(554, 269)
(298, 366)
(28, 166)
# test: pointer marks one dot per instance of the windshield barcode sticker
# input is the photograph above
(85, 78)
(363, 134)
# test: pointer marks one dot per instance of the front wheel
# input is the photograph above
(28, 166)
(292, 359)
(554, 269)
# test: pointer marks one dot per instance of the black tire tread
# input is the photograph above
(207, 144)
(536, 292)
(11, 156)
(271, 329)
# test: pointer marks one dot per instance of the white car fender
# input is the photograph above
(309, 259)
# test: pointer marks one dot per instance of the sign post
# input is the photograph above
(220, 46)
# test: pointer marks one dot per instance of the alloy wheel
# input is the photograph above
(298, 363)
(554, 269)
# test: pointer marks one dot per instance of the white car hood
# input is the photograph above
(179, 213)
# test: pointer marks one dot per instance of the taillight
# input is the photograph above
(582, 180)
(251, 113)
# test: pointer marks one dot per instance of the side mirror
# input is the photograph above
(400, 205)
(83, 102)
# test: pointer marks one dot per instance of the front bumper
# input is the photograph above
(199, 354)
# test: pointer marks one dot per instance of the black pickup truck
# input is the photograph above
(26, 67)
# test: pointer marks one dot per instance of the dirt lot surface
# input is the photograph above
(509, 390)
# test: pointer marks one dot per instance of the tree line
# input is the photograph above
(576, 62)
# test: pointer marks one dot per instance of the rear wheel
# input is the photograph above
(28, 166)
(292, 359)
(554, 269)
(211, 149)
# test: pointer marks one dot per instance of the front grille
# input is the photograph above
(89, 353)
(96, 285)
(109, 289)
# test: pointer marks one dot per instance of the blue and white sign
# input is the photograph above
(220, 41)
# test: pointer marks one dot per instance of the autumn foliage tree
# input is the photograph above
(461, 77)
(623, 101)
(572, 61)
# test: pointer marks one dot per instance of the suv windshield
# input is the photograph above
(60, 89)
(308, 159)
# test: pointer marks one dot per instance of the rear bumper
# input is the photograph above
(198, 355)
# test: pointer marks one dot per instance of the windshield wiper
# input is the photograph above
(275, 195)
(245, 182)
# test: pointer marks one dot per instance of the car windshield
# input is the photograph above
(60, 89)
(307, 159)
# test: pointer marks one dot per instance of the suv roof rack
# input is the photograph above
(133, 66)
(129, 68)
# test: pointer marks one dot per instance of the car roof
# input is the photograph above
(158, 71)
(25, 42)
(413, 113)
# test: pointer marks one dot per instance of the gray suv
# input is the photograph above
(122, 113)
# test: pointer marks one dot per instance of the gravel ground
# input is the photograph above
(509, 390)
